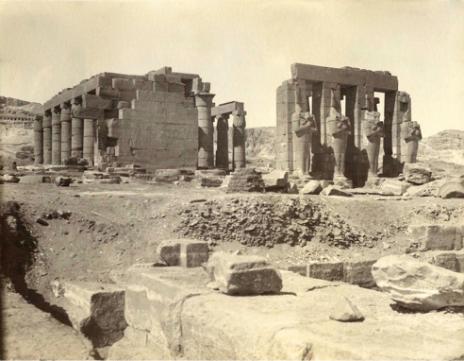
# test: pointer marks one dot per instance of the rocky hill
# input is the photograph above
(16, 133)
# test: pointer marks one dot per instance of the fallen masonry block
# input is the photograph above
(211, 181)
(61, 181)
(275, 180)
(394, 187)
(9, 178)
(183, 252)
(452, 189)
(199, 324)
(335, 191)
(416, 173)
(35, 179)
(243, 275)
(312, 187)
(437, 236)
(453, 261)
(359, 273)
(345, 311)
(96, 310)
(418, 285)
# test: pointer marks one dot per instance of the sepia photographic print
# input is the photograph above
(232, 180)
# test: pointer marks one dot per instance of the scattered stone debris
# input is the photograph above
(246, 180)
(243, 275)
(56, 214)
(346, 311)
(62, 181)
(418, 285)
(335, 191)
(267, 222)
(275, 181)
(312, 187)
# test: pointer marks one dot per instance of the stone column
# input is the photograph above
(239, 139)
(77, 136)
(338, 127)
(303, 127)
(203, 102)
(38, 140)
(373, 129)
(410, 135)
(56, 136)
(47, 137)
(222, 139)
(88, 141)
(65, 132)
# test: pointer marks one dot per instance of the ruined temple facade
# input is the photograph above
(159, 120)
(316, 135)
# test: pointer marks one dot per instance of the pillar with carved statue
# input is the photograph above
(239, 137)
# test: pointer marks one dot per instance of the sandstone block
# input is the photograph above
(243, 275)
(96, 310)
(275, 180)
(418, 285)
(416, 173)
(446, 260)
(183, 252)
(437, 236)
(359, 273)
(330, 271)
(394, 187)
(61, 181)
(335, 191)
(312, 187)
(211, 181)
(291, 344)
(9, 178)
(35, 179)
(452, 189)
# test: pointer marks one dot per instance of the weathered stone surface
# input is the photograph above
(452, 189)
(183, 252)
(200, 324)
(393, 187)
(31, 334)
(418, 285)
(335, 191)
(211, 181)
(437, 236)
(359, 273)
(416, 173)
(312, 187)
(61, 181)
(96, 310)
(275, 180)
(35, 179)
(345, 311)
(243, 275)
(246, 180)
(330, 271)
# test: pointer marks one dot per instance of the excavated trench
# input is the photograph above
(18, 249)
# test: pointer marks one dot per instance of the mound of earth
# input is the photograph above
(267, 222)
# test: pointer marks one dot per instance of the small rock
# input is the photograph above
(416, 173)
(346, 311)
(42, 221)
(61, 181)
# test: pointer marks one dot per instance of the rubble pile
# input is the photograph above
(268, 221)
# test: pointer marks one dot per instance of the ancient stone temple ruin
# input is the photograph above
(317, 135)
(159, 120)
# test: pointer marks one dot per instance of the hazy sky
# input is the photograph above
(244, 48)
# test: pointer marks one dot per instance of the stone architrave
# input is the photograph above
(304, 125)
(38, 140)
(373, 129)
(410, 135)
(65, 132)
(77, 136)
(239, 124)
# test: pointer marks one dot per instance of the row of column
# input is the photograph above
(61, 134)
(230, 143)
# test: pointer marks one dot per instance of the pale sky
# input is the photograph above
(243, 47)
